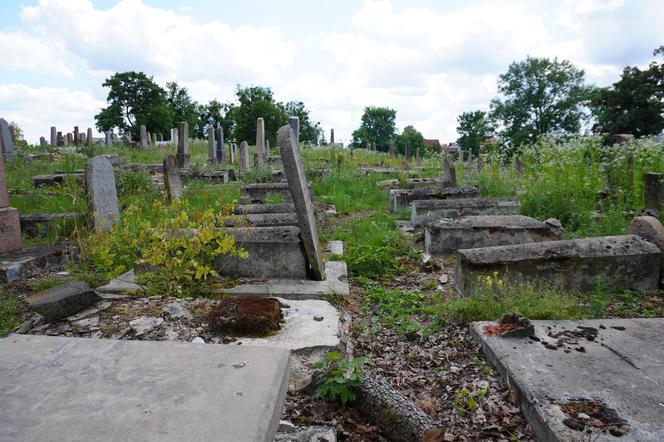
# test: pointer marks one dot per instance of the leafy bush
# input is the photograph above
(340, 378)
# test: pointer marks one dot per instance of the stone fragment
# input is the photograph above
(304, 207)
(87, 325)
(449, 171)
(59, 302)
(172, 178)
(176, 310)
(144, 324)
(650, 229)
(102, 195)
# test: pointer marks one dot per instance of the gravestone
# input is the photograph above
(160, 137)
(144, 137)
(84, 139)
(59, 139)
(294, 123)
(418, 159)
(518, 165)
(114, 137)
(108, 139)
(183, 145)
(449, 171)
(653, 192)
(70, 139)
(42, 142)
(304, 207)
(244, 156)
(10, 224)
(89, 136)
(332, 136)
(232, 152)
(260, 142)
(54, 136)
(77, 137)
(174, 136)
(267, 148)
(102, 195)
(212, 152)
(172, 178)
(221, 148)
(6, 144)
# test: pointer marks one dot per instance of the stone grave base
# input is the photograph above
(105, 390)
(401, 198)
(621, 262)
(621, 367)
(449, 235)
(16, 265)
(425, 211)
(335, 284)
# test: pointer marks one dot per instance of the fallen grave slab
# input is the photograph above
(402, 198)
(335, 284)
(56, 179)
(16, 265)
(617, 362)
(415, 183)
(423, 212)
(621, 262)
(62, 301)
(105, 390)
(449, 235)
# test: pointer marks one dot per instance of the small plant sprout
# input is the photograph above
(340, 377)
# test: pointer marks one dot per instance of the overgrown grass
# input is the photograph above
(10, 314)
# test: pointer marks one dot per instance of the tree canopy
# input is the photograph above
(378, 126)
(412, 138)
(473, 129)
(539, 96)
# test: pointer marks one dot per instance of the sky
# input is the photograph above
(429, 59)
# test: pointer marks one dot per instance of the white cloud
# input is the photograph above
(21, 52)
(37, 109)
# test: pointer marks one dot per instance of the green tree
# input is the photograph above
(473, 128)
(412, 138)
(309, 131)
(539, 96)
(377, 126)
(183, 108)
(216, 114)
(634, 105)
(134, 99)
(255, 102)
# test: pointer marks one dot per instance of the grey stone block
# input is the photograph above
(449, 235)
(59, 302)
(102, 195)
(264, 220)
(621, 262)
(401, 198)
(246, 209)
(423, 212)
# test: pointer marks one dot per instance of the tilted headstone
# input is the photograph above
(59, 139)
(233, 148)
(42, 142)
(653, 191)
(304, 206)
(449, 171)
(172, 178)
(260, 142)
(183, 145)
(108, 139)
(220, 153)
(102, 195)
(144, 137)
(212, 148)
(54, 136)
(89, 136)
(244, 156)
(6, 144)
(294, 123)
(10, 224)
(331, 136)
(77, 135)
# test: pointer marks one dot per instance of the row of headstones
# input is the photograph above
(59, 139)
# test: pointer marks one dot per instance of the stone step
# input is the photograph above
(449, 235)
(402, 198)
(621, 262)
(423, 212)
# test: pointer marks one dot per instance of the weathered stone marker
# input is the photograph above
(54, 136)
(10, 224)
(144, 137)
(212, 151)
(653, 192)
(6, 143)
(260, 142)
(172, 178)
(267, 149)
(220, 153)
(304, 207)
(108, 138)
(84, 139)
(59, 302)
(449, 171)
(620, 262)
(294, 123)
(244, 156)
(183, 145)
(650, 229)
(174, 136)
(401, 198)
(89, 137)
(423, 212)
(160, 137)
(59, 139)
(70, 139)
(232, 149)
(332, 136)
(518, 165)
(102, 195)
(42, 142)
(77, 136)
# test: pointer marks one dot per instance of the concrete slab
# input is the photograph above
(78, 389)
(425, 211)
(335, 284)
(446, 236)
(621, 262)
(402, 198)
(622, 367)
(308, 325)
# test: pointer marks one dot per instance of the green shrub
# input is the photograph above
(340, 377)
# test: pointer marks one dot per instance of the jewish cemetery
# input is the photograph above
(222, 253)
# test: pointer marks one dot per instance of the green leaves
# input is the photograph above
(340, 377)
